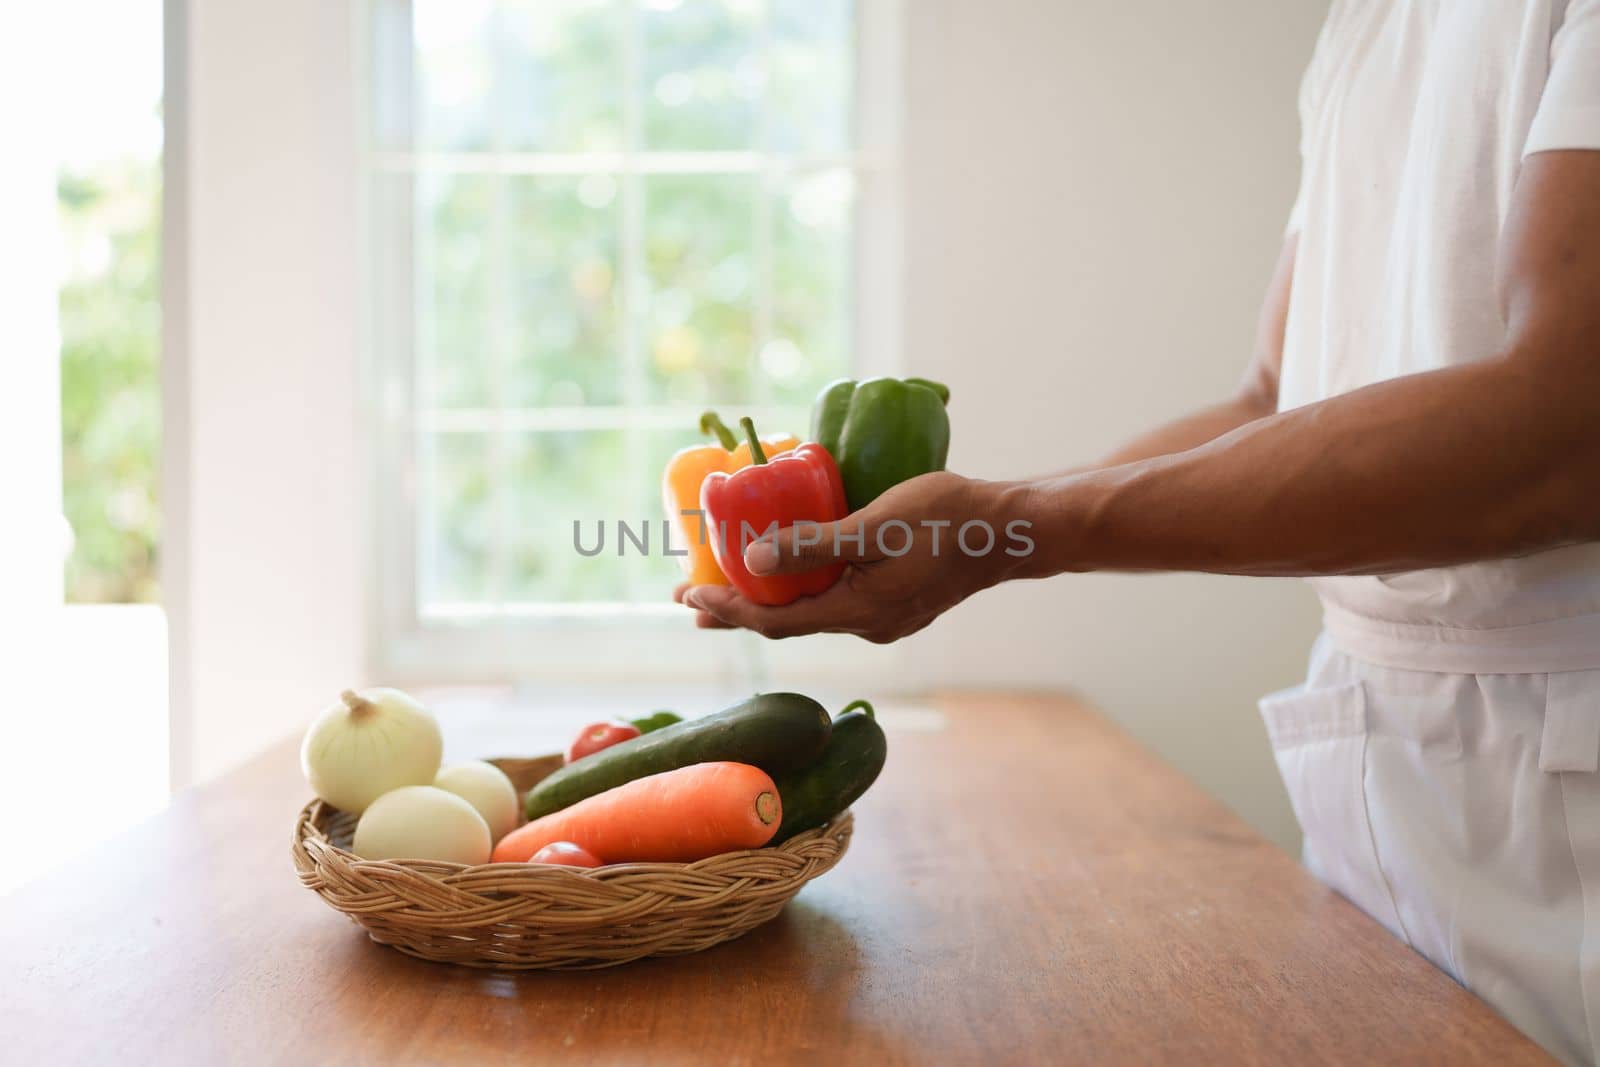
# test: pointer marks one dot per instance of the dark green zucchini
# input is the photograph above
(777, 732)
(847, 767)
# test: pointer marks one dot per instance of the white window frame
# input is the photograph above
(582, 642)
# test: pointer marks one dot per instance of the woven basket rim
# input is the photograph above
(308, 832)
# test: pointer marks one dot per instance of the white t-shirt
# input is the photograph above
(1416, 115)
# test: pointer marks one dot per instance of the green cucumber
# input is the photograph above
(777, 732)
(847, 767)
(657, 720)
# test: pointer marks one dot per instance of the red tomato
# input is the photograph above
(566, 854)
(598, 735)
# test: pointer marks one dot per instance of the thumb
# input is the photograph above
(809, 546)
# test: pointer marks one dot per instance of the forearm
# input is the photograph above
(1477, 461)
(1188, 432)
(1472, 462)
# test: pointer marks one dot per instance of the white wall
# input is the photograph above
(1096, 194)
(265, 565)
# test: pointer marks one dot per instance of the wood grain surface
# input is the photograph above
(1026, 885)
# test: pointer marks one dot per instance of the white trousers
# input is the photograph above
(1462, 811)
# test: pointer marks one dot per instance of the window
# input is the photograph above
(108, 199)
(590, 221)
(80, 420)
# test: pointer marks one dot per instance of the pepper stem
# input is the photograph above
(711, 424)
(938, 387)
(749, 427)
(861, 705)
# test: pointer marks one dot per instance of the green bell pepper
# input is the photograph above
(656, 720)
(881, 432)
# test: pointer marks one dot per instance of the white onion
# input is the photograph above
(367, 744)
(485, 787)
(419, 822)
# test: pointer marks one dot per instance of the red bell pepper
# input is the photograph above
(802, 485)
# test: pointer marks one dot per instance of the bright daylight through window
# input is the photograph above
(83, 628)
(591, 221)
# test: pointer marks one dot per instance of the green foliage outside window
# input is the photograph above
(110, 318)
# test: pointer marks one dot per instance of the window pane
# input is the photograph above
(702, 76)
(110, 316)
(699, 261)
(454, 73)
(563, 292)
(455, 535)
(560, 77)
(392, 44)
(454, 281)
(812, 63)
(811, 286)
(554, 480)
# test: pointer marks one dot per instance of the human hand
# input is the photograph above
(912, 554)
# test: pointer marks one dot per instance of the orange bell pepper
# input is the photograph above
(680, 492)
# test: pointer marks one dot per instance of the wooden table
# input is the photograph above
(1025, 885)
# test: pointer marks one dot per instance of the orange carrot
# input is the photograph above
(676, 816)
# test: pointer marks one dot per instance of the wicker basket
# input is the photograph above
(526, 916)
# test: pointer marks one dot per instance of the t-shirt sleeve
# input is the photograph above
(1569, 110)
(1312, 90)
(1297, 212)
